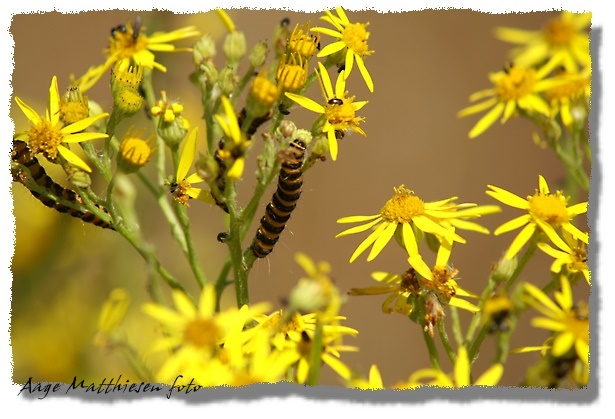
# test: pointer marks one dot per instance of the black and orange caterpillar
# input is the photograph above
(282, 203)
(66, 200)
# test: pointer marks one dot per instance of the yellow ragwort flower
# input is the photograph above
(461, 376)
(302, 42)
(338, 110)
(565, 35)
(292, 72)
(571, 99)
(516, 87)
(134, 151)
(546, 212)
(569, 323)
(129, 43)
(47, 134)
(373, 382)
(236, 149)
(573, 255)
(182, 188)
(352, 37)
(406, 212)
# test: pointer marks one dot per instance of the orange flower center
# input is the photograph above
(516, 83)
(549, 208)
(355, 37)
(202, 333)
(402, 207)
(45, 138)
(558, 33)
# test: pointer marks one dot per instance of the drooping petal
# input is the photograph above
(522, 238)
(73, 159)
(382, 241)
(359, 229)
(187, 157)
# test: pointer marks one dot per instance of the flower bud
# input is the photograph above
(73, 106)
(203, 49)
(125, 82)
(227, 80)
(234, 46)
(504, 269)
(135, 152)
(258, 55)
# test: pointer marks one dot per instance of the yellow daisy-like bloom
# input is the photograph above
(130, 44)
(440, 281)
(571, 100)
(573, 255)
(565, 35)
(569, 323)
(374, 381)
(546, 211)
(135, 152)
(73, 106)
(239, 143)
(516, 87)
(292, 72)
(353, 37)
(460, 377)
(407, 212)
(47, 134)
(338, 110)
(182, 188)
(302, 43)
(296, 334)
(194, 333)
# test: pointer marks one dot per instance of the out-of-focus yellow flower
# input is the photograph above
(566, 35)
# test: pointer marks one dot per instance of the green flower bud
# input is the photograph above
(203, 49)
(234, 46)
(258, 55)
(227, 80)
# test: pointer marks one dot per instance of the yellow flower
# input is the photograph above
(461, 376)
(130, 44)
(193, 333)
(182, 188)
(302, 43)
(404, 289)
(338, 110)
(135, 152)
(47, 135)
(352, 37)
(516, 87)
(374, 381)
(406, 212)
(239, 143)
(546, 211)
(292, 72)
(571, 100)
(569, 323)
(565, 35)
(295, 332)
(573, 255)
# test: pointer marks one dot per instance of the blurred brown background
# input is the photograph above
(425, 66)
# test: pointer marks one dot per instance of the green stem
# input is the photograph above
(456, 325)
(433, 351)
(222, 282)
(445, 342)
(315, 356)
(529, 253)
(473, 353)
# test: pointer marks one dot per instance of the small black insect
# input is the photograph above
(335, 101)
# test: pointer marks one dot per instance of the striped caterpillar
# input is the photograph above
(282, 203)
(66, 200)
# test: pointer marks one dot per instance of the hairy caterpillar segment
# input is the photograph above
(21, 154)
(283, 201)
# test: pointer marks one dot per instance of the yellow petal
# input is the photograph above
(486, 121)
(54, 102)
(28, 111)
(368, 241)
(307, 103)
(507, 198)
(73, 159)
(83, 124)
(359, 229)
(187, 156)
(382, 241)
(522, 238)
